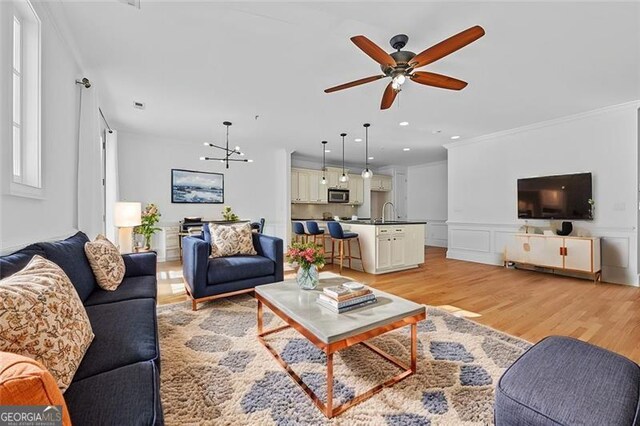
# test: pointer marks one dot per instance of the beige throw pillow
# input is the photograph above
(229, 240)
(106, 262)
(42, 317)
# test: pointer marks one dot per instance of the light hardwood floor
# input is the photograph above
(529, 305)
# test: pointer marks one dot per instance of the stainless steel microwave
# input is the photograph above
(338, 196)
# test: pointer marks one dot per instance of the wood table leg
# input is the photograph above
(329, 404)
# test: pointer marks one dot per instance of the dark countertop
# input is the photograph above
(388, 222)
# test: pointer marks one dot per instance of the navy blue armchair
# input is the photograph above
(211, 278)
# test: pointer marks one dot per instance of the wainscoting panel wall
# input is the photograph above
(486, 243)
(437, 233)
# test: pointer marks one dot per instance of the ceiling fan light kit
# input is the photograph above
(366, 173)
(229, 153)
(401, 64)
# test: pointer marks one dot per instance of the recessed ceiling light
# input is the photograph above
(455, 137)
(358, 140)
(406, 149)
(435, 132)
(327, 150)
(404, 123)
(370, 158)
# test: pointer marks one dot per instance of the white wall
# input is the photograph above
(427, 199)
(483, 173)
(25, 220)
(253, 190)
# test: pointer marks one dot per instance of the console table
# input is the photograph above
(556, 252)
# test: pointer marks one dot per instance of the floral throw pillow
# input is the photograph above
(106, 262)
(43, 318)
(229, 240)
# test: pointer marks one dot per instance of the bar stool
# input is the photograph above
(313, 231)
(337, 234)
(298, 230)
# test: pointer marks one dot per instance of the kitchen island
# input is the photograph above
(389, 246)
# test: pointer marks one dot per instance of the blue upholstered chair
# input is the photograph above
(211, 278)
(299, 232)
(338, 235)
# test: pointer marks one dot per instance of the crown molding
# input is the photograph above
(543, 124)
(430, 164)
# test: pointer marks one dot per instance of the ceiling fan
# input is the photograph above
(401, 64)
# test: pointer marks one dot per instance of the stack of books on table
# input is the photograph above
(341, 298)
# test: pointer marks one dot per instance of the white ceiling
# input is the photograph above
(198, 64)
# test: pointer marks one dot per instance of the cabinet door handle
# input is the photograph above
(561, 252)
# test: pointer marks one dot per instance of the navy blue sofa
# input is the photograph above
(210, 278)
(118, 380)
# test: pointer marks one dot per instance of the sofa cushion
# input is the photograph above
(14, 262)
(43, 318)
(69, 255)
(565, 381)
(231, 240)
(105, 261)
(234, 268)
(125, 396)
(131, 288)
(125, 333)
(24, 381)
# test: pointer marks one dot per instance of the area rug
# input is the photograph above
(214, 371)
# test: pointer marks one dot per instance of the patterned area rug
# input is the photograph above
(214, 371)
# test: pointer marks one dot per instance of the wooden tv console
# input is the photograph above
(570, 254)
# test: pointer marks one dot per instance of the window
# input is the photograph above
(26, 100)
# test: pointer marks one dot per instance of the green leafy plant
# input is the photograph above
(227, 214)
(592, 207)
(305, 255)
(150, 216)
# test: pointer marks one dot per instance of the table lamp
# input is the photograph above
(126, 216)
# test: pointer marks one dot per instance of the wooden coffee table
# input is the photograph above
(331, 332)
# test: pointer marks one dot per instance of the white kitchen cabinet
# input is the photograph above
(389, 247)
(317, 191)
(559, 253)
(299, 186)
(383, 249)
(356, 189)
(381, 183)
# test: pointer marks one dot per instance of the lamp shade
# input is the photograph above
(127, 214)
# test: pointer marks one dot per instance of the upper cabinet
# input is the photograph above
(381, 183)
(306, 186)
(299, 186)
(356, 189)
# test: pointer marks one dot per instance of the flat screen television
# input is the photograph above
(563, 197)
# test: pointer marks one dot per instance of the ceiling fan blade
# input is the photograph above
(373, 50)
(354, 83)
(388, 97)
(437, 80)
(447, 46)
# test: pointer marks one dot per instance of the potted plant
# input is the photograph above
(228, 215)
(149, 218)
(309, 257)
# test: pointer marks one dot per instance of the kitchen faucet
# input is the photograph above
(384, 206)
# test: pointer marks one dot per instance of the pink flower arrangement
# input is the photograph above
(305, 255)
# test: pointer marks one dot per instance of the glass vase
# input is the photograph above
(308, 278)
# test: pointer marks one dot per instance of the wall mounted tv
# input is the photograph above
(564, 197)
